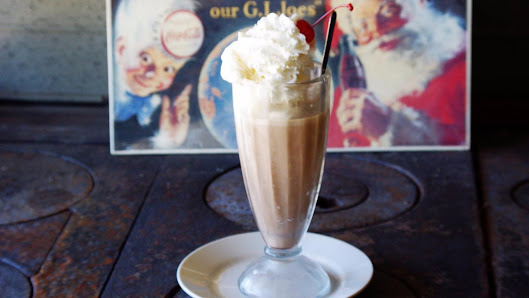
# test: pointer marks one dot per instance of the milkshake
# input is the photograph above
(281, 149)
(281, 115)
(281, 108)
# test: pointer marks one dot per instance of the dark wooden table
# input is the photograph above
(76, 221)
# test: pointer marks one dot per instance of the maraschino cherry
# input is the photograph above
(307, 29)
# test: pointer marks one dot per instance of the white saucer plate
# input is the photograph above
(212, 270)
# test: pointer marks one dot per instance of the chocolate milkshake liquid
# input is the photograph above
(281, 137)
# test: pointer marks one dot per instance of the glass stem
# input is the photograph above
(283, 254)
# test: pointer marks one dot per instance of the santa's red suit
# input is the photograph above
(443, 102)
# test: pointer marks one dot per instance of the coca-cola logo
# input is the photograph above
(182, 33)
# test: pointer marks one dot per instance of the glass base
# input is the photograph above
(284, 273)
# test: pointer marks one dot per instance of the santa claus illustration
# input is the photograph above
(414, 65)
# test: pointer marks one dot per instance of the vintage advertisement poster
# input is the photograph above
(400, 73)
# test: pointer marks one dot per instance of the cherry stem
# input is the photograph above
(348, 5)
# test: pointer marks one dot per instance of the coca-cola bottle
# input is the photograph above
(351, 70)
(375, 116)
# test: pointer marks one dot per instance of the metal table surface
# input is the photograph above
(77, 221)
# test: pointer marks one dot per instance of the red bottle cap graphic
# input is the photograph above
(182, 33)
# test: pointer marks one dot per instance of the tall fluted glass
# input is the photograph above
(281, 136)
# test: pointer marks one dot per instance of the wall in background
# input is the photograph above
(500, 64)
(53, 50)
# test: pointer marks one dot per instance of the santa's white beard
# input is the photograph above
(426, 43)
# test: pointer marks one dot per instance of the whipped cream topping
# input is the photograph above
(273, 50)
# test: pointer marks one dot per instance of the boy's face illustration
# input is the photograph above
(152, 72)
